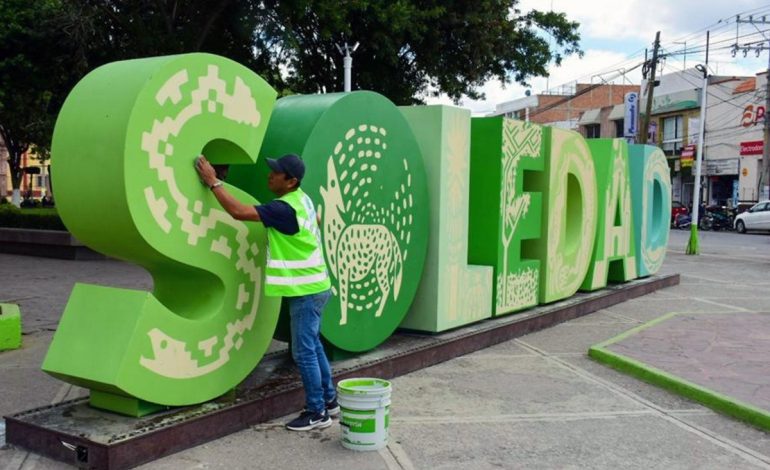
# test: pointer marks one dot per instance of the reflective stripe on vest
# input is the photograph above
(295, 263)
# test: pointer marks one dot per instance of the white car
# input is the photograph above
(756, 218)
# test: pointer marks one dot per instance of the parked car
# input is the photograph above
(677, 208)
(756, 218)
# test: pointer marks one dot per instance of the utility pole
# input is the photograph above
(763, 183)
(650, 87)
(347, 62)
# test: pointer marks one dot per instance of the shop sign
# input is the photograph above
(752, 115)
(722, 167)
(689, 151)
(631, 112)
(753, 147)
(126, 186)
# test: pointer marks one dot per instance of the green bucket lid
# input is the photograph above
(363, 386)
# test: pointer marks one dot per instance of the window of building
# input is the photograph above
(593, 131)
(619, 127)
(673, 132)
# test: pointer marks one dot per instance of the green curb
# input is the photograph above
(10, 327)
(710, 398)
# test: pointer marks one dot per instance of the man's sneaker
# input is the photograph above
(308, 420)
(332, 407)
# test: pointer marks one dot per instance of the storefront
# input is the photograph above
(722, 175)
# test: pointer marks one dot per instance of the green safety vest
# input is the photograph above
(295, 263)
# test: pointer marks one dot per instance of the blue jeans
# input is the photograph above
(307, 350)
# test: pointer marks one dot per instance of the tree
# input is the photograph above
(411, 48)
(46, 46)
(34, 73)
(108, 30)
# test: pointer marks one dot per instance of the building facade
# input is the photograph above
(732, 136)
(734, 139)
(567, 110)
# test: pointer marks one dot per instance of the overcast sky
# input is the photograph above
(615, 33)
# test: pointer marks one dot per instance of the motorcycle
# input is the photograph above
(683, 221)
(717, 218)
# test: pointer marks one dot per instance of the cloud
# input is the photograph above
(614, 35)
(640, 19)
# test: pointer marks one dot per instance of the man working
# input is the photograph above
(296, 270)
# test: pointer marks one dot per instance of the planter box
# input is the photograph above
(45, 243)
(10, 327)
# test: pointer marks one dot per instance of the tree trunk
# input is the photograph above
(15, 152)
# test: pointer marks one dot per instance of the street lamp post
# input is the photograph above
(692, 245)
(347, 62)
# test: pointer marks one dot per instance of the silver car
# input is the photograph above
(756, 218)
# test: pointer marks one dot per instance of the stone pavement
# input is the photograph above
(726, 353)
(534, 402)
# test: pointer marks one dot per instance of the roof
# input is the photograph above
(747, 85)
(590, 116)
(618, 112)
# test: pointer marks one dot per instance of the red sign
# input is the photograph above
(688, 151)
(751, 148)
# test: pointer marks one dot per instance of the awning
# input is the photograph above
(590, 116)
(618, 112)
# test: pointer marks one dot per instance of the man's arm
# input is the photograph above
(232, 206)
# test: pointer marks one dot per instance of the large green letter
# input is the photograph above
(502, 213)
(365, 171)
(451, 293)
(651, 186)
(122, 158)
(613, 254)
(569, 205)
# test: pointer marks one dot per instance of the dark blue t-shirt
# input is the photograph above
(280, 216)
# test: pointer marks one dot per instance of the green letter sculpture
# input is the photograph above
(651, 185)
(122, 158)
(569, 205)
(365, 171)
(451, 293)
(502, 213)
(613, 253)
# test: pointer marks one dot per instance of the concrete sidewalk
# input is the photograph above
(534, 402)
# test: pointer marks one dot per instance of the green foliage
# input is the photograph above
(413, 48)
(35, 75)
(409, 48)
(40, 219)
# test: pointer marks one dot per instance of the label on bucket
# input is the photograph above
(358, 421)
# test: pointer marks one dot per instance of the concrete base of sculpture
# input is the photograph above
(81, 435)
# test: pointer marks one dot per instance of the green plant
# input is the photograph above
(39, 219)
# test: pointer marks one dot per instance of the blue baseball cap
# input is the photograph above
(290, 164)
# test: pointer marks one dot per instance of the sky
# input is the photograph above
(614, 35)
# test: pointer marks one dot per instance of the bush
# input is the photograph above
(40, 219)
(3, 201)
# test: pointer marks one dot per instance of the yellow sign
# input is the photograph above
(745, 172)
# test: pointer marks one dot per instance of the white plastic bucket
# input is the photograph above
(364, 413)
